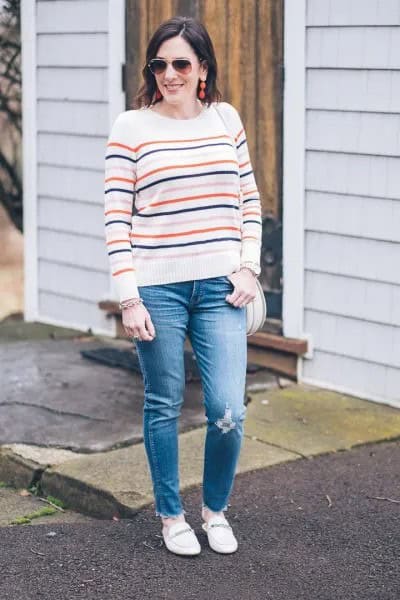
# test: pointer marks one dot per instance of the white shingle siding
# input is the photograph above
(72, 128)
(352, 202)
(373, 176)
(350, 89)
(353, 47)
(353, 12)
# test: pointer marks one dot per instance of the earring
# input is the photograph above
(202, 93)
(158, 94)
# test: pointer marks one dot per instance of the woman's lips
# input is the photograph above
(173, 88)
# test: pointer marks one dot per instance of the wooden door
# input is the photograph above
(247, 37)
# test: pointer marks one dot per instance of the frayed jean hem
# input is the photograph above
(164, 516)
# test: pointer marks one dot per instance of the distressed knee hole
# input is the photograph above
(226, 424)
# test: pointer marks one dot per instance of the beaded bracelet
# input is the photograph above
(130, 302)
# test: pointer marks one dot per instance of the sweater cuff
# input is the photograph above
(250, 252)
(126, 286)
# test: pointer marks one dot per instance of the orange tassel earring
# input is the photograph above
(158, 94)
(202, 93)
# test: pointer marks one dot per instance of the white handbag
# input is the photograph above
(257, 308)
(256, 311)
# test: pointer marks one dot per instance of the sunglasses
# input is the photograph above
(159, 65)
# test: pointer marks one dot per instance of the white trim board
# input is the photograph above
(116, 58)
(29, 158)
(293, 168)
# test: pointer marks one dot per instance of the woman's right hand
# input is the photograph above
(137, 323)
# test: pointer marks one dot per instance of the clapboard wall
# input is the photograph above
(352, 198)
(72, 121)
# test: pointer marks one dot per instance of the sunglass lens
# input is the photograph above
(157, 66)
(182, 65)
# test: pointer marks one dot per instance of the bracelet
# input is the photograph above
(130, 302)
(252, 266)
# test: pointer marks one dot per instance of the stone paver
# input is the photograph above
(123, 474)
(309, 420)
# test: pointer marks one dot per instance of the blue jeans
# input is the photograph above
(217, 332)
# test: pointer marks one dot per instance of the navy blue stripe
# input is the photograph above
(184, 148)
(120, 156)
(245, 174)
(250, 200)
(118, 190)
(187, 244)
(251, 221)
(145, 187)
(119, 221)
(118, 251)
(241, 143)
(184, 210)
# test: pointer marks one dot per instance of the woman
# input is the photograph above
(185, 263)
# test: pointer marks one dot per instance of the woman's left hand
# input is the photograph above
(245, 288)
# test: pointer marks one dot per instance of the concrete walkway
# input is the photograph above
(283, 424)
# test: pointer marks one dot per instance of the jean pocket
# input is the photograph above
(226, 279)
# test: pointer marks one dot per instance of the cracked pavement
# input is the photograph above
(52, 396)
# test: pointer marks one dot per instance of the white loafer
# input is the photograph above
(181, 539)
(220, 535)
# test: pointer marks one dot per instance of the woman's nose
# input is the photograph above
(170, 71)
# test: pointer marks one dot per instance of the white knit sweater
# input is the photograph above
(197, 207)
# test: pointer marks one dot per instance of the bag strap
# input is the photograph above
(219, 111)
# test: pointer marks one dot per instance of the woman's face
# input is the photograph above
(179, 89)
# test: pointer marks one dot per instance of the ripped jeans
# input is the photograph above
(217, 332)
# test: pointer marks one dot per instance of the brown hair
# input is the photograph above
(197, 36)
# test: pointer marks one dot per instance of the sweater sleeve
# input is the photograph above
(119, 191)
(250, 205)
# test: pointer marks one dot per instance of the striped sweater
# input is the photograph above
(181, 202)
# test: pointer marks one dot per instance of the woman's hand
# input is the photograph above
(245, 288)
(137, 323)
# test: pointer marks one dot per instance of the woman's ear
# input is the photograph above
(204, 68)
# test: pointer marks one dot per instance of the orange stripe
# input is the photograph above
(118, 145)
(250, 237)
(184, 141)
(244, 164)
(168, 235)
(213, 162)
(122, 271)
(119, 179)
(173, 200)
(254, 191)
(125, 212)
(248, 212)
(239, 134)
(126, 241)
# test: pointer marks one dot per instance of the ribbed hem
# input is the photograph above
(187, 269)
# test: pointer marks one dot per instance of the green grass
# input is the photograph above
(42, 512)
(56, 501)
